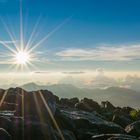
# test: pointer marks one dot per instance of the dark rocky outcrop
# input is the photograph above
(41, 115)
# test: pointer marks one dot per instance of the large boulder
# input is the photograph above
(36, 103)
(133, 129)
(85, 124)
(49, 99)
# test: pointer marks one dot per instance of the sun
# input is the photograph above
(22, 57)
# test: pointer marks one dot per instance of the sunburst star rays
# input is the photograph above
(23, 49)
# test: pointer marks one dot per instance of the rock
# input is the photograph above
(9, 102)
(1, 93)
(77, 120)
(107, 115)
(33, 130)
(88, 124)
(74, 101)
(108, 106)
(122, 112)
(113, 137)
(88, 105)
(94, 105)
(121, 138)
(68, 102)
(7, 125)
(4, 135)
(121, 120)
(9, 106)
(68, 135)
(83, 106)
(56, 99)
(65, 102)
(133, 129)
(36, 131)
(34, 104)
(127, 110)
(50, 101)
(63, 121)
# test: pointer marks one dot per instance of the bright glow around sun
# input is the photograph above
(22, 57)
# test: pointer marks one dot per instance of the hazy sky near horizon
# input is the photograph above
(80, 35)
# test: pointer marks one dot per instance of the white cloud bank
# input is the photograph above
(108, 53)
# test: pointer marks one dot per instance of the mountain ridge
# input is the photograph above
(118, 95)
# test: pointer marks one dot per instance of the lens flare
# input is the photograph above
(22, 57)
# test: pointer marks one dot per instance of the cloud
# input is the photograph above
(41, 72)
(100, 71)
(108, 53)
(73, 72)
(103, 81)
(132, 82)
(72, 81)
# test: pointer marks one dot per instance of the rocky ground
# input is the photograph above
(40, 115)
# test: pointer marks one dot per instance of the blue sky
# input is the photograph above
(85, 34)
(93, 21)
